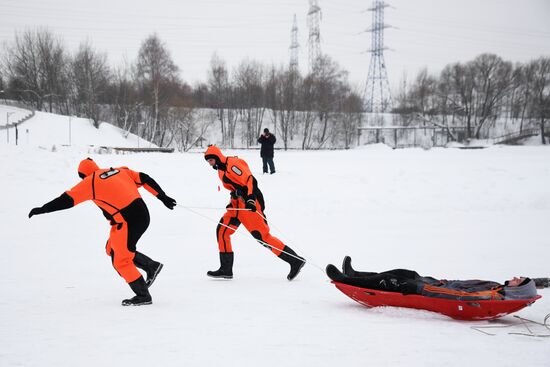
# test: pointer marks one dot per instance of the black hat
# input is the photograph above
(266, 130)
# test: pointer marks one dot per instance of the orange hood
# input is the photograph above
(213, 152)
(87, 167)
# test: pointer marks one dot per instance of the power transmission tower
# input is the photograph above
(314, 41)
(377, 92)
(294, 46)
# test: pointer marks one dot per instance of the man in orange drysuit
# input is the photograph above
(245, 194)
(115, 192)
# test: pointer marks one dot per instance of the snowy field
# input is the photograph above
(449, 213)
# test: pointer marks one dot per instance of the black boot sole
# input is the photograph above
(220, 276)
(126, 303)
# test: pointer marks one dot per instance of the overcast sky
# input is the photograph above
(429, 33)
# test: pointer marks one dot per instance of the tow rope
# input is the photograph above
(191, 209)
(523, 322)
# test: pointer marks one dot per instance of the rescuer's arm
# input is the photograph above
(250, 197)
(64, 201)
(154, 188)
(81, 192)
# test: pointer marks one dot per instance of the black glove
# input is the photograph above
(250, 204)
(167, 201)
(36, 211)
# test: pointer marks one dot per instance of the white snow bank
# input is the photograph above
(48, 130)
(11, 114)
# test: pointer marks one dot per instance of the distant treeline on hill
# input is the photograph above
(317, 110)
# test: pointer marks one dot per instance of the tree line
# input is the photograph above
(320, 109)
(148, 97)
(478, 93)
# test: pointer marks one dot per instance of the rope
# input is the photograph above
(291, 241)
(190, 209)
(211, 208)
(524, 322)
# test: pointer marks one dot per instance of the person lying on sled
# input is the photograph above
(410, 282)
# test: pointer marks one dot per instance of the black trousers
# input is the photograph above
(396, 280)
(268, 161)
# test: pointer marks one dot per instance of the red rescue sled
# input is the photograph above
(459, 310)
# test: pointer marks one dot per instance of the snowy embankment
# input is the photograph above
(51, 131)
(448, 213)
(10, 114)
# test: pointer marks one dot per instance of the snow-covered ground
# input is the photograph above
(11, 114)
(48, 130)
(448, 213)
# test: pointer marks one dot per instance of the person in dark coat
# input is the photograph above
(267, 140)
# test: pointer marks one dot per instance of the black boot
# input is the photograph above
(226, 267)
(350, 272)
(142, 297)
(346, 266)
(296, 262)
(335, 274)
(150, 266)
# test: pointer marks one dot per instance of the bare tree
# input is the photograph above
(36, 67)
(352, 107)
(308, 116)
(90, 76)
(523, 93)
(232, 116)
(423, 93)
(540, 107)
(23, 68)
(462, 84)
(248, 80)
(53, 63)
(328, 79)
(156, 74)
(218, 83)
(270, 93)
(190, 126)
(124, 101)
(493, 78)
(282, 90)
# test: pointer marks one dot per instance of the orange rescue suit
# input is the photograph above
(115, 191)
(236, 177)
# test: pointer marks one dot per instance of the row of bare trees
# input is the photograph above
(321, 109)
(38, 70)
(310, 112)
(480, 92)
(147, 96)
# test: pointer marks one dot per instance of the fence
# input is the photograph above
(514, 137)
(16, 125)
(410, 136)
(104, 149)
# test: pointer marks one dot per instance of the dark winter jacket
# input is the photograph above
(267, 145)
(477, 290)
